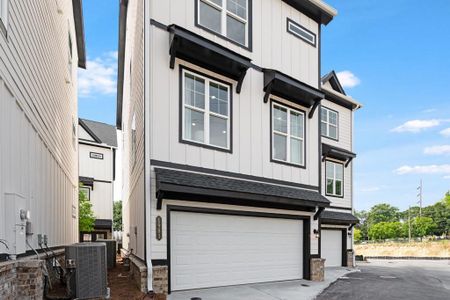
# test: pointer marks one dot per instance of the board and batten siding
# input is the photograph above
(133, 185)
(272, 46)
(38, 99)
(101, 170)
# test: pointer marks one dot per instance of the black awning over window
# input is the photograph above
(337, 153)
(286, 87)
(193, 48)
(338, 218)
(181, 185)
(87, 181)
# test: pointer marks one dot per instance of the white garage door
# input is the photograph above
(210, 250)
(331, 247)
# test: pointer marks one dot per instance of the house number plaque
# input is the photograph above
(158, 228)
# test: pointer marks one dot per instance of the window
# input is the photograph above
(288, 131)
(133, 140)
(3, 14)
(329, 123)
(87, 192)
(301, 32)
(335, 178)
(225, 17)
(206, 110)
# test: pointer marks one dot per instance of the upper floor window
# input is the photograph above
(329, 123)
(225, 17)
(3, 14)
(301, 32)
(288, 132)
(70, 55)
(334, 174)
(206, 110)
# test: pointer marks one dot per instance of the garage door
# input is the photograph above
(209, 250)
(331, 247)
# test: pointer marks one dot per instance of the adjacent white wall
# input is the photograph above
(38, 107)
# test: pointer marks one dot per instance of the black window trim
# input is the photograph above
(288, 20)
(249, 45)
(181, 110)
(276, 102)
(337, 125)
(343, 179)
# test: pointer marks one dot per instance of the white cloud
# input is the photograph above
(429, 110)
(370, 189)
(425, 169)
(447, 177)
(416, 126)
(348, 79)
(100, 76)
(445, 132)
(437, 150)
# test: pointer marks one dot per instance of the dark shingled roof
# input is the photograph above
(102, 133)
(336, 217)
(181, 182)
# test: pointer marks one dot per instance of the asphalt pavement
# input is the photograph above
(393, 279)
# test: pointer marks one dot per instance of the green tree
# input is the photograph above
(362, 225)
(422, 226)
(357, 234)
(86, 217)
(117, 218)
(386, 230)
(382, 213)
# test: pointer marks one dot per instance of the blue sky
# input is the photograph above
(393, 56)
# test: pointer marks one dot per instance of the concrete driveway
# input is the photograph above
(285, 290)
(393, 279)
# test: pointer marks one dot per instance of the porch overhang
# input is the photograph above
(337, 218)
(87, 181)
(337, 153)
(286, 87)
(189, 186)
(194, 48)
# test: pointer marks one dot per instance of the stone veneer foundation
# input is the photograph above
(317, 269)
(21, 279)
(350, 260)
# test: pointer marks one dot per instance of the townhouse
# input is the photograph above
(226, 160)
(41, 47)
(97, 146)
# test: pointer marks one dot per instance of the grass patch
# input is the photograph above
(420, 249)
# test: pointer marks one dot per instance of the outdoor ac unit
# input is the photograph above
(110, 252)
(90, 277)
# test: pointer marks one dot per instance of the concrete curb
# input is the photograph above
(407, 257)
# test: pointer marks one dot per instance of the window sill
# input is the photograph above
(210, 147)
(334, 196)
(330, 138)
(287, 163)
(248, 48)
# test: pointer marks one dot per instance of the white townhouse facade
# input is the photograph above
(97, 146)
(41, 46)
(220, 105)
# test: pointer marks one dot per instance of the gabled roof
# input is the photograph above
(336, 93)
(334, 81)
(79, 31)
(102, 133)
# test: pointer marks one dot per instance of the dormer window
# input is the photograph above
(229, 18)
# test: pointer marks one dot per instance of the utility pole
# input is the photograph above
(409, 224)
(420, 189)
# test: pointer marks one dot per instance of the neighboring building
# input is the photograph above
(220, 107)
(97, 145)
(41, 46)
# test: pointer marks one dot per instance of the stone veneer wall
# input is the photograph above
(317, 269)
(350, 260)
(161, 280)
(21, 279)
(138, 272)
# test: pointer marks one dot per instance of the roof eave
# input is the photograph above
(79, 31)
(315, 9)
(344, 98)
(121, 60)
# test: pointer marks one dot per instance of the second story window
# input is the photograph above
(206, 110)
(288, 131)
(329, 123)
(334, 173)
(301, 32)
(226, 17)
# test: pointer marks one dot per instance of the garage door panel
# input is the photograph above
(219, 250)
(331, 247)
